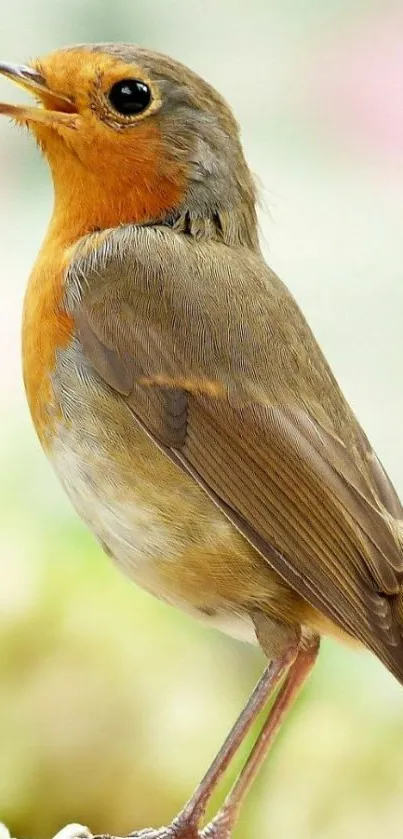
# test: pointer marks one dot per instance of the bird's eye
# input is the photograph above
(129, 97)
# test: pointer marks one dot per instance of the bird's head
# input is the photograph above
(133, 136)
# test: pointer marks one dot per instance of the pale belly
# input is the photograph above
(151, 518)
(137, 537)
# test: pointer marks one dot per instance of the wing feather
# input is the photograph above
(216, 361)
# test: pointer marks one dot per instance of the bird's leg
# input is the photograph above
(194, 809)
(223, 823)
(187, 824)
(298, 660)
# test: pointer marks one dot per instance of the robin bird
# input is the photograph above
(180, 394)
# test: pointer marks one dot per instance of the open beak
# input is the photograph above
(54, 109)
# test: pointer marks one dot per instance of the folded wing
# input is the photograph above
(214, 358)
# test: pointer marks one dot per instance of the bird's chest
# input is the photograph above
(111, 470)
(46, 329)
(151, 517)
(155, 522)
(87, 432)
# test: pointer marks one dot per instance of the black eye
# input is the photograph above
(129, 97)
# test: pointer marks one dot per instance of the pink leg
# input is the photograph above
(298, 662)
(222, 825)
(194, 809)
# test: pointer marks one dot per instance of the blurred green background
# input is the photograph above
(112, 704)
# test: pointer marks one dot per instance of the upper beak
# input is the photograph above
(55, 108)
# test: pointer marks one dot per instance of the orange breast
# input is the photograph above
(46, 328)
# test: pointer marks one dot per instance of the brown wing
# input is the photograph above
(215, 359)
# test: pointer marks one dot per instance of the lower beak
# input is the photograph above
(54, 110)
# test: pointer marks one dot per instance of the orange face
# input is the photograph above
(132, 136)
(98, 123)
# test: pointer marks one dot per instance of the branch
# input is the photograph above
(174, 831)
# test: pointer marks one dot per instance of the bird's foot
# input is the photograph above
(180, 828)
(183, 829)
(218, 828)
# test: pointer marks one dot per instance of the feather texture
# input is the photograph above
(213, 356)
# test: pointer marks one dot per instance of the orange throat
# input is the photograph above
(85, 202)
(46, 328)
